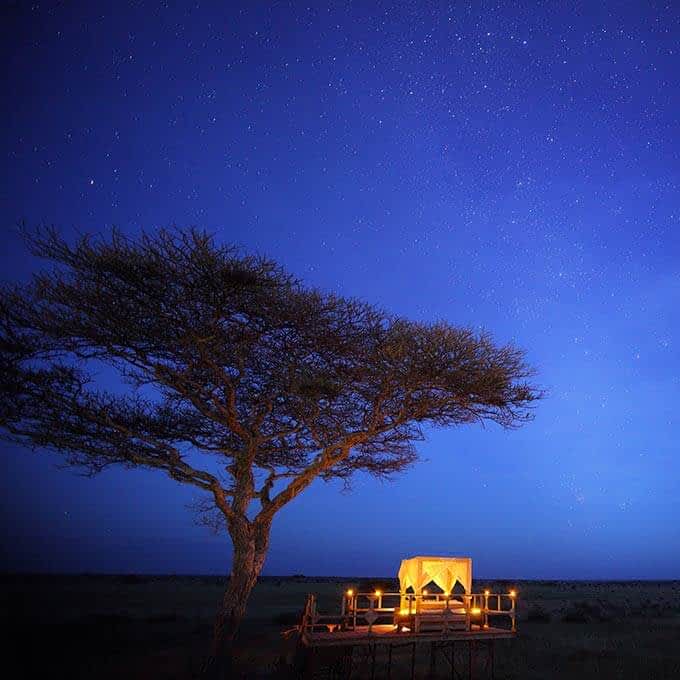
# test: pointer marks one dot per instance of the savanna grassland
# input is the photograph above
(159, 627)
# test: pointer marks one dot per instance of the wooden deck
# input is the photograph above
(359, 640)
(388, 634)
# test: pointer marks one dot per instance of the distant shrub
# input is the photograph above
(584, 612)
(612, 610)
(574, 615)
(290, 618)
(538, 615)
(383, 584)
(132, 579)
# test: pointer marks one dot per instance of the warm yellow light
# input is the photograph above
(475, 610)
(424, 591)
(378, 593)
(350, 592)
(404, 612)
(486, 625)
(486, 592)
(512, 593)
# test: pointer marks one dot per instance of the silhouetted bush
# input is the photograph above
(583, 612)
(385, 585)
(574, 615)
(132, 579)
(290, 618)
(538, 615)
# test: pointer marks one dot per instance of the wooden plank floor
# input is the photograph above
(386, 634)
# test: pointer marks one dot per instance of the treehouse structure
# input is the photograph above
(435, 604)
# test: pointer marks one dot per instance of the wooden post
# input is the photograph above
(513, 612)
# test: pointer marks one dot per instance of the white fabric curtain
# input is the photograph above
(417, 572)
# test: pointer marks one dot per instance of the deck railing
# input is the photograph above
(408, 610)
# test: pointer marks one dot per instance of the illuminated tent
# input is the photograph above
(417, 572)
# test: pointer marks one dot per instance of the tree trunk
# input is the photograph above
(250, 550)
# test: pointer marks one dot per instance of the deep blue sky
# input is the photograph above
(513, 167)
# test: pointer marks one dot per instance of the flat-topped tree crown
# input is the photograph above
(228, 355)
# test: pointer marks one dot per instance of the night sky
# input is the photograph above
(509, 167)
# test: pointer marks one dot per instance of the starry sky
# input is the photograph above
(511, 166)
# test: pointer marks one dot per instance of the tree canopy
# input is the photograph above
(248, 364)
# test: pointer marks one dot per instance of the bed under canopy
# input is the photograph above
(418, 572)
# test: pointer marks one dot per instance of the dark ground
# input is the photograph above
(159, 627)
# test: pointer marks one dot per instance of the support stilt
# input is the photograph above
(433, 659)
(471, 660)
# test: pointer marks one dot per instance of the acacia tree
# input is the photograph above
(238, 379)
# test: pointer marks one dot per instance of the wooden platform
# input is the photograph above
(387, 635)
